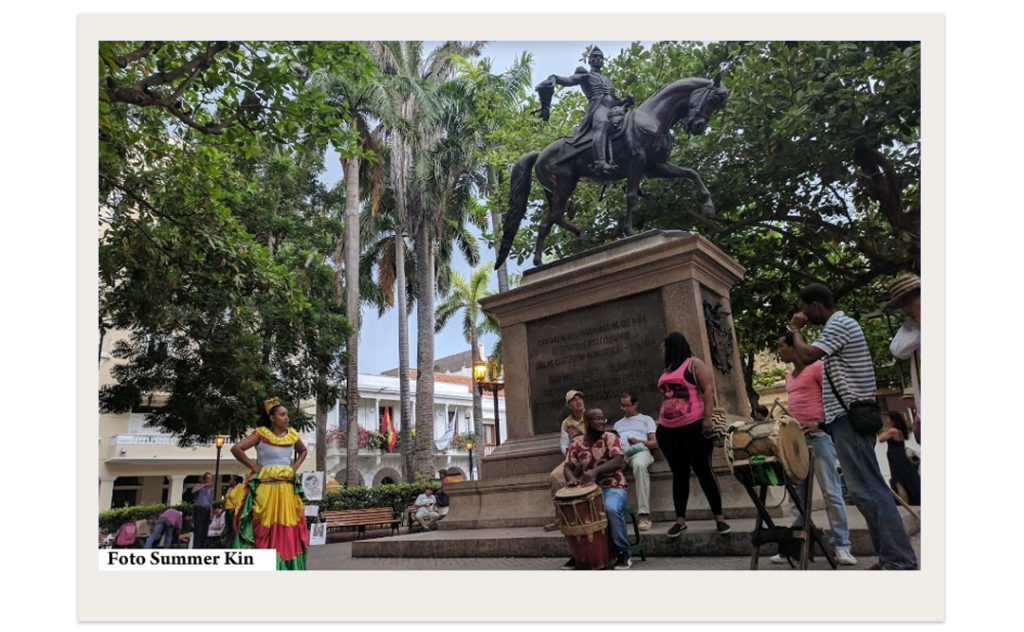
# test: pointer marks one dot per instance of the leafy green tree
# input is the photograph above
(211, 233)
(494, 103)
(814, 168)
(421, 88)
(355, 97)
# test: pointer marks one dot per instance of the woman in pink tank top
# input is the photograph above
(688, 397)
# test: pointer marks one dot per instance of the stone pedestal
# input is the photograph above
(595, 322)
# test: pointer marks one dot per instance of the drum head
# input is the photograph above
(579, 491)
(792, 448)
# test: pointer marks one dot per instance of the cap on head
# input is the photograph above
(571, 394)
(901, 287)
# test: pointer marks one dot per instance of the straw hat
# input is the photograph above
(901, 287)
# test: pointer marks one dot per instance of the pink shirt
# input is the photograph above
(804, 390)
(681, 403)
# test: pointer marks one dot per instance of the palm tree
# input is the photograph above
(414, 126)
(465, 295)
(494, 97)
(355, 98)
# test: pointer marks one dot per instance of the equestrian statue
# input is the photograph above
(609, 144)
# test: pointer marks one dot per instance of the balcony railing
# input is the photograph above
(152, 438)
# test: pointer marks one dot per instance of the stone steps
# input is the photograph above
(699, 540)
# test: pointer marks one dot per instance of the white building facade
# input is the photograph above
(140, 465)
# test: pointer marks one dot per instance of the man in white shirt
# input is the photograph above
(572, 426)
(905, 293)
(637, 435)
(425, 514)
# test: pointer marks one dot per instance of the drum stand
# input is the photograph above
(764, 471)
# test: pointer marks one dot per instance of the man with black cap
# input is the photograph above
(572, 426)
(905, 295)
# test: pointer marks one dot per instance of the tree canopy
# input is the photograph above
(215, 232)
(814, 168)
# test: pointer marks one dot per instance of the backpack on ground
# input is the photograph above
(126, 535)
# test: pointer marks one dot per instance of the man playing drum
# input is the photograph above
(803, 385)
(596, 457)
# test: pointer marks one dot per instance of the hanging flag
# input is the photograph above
(449, 434)
(389, 429)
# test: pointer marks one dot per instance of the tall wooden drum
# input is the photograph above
(584, 524)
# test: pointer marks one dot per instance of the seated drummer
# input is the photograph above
(596, 457)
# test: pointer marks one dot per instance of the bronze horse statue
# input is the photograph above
(639, 146)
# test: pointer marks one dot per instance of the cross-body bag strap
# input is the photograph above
(832, 385)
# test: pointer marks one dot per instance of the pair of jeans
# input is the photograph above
(640, 462)
(163, 527)
(614, 504)
(201, 518)
(831, 490)
(871, 495)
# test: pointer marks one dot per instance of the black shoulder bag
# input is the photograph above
(864, 415)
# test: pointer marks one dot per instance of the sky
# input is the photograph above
(378, 342)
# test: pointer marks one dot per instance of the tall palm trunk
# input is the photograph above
(403, 356)
(351, 168)
(423, 454)
(478, 406)
(503, 270)
(321, 425)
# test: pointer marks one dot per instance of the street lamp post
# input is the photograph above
(219, 442)
(490, 376)
(469, 446)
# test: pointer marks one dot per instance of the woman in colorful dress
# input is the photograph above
(271, 514)
(688, 401)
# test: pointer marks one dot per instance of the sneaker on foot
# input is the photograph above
(623, 562)
(844, 557)
(551, 526)
(877, 566)
(675, 530)
(778, 559)
(723, 527)
(645, 524)
(570, 564)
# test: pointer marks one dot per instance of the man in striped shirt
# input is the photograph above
(848, 363)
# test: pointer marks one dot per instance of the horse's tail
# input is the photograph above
(519, 195)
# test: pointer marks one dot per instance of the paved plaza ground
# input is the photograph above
(337, 555)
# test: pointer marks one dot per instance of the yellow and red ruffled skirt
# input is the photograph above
(272, 516)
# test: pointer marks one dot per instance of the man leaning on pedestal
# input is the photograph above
(847, 362)
(572, 426)
(637, 434)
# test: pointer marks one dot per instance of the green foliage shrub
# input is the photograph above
(398, 497)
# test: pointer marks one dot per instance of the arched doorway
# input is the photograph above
(387, 476)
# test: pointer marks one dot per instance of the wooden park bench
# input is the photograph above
(361, 518)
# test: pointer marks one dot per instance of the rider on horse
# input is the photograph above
(601, 97)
